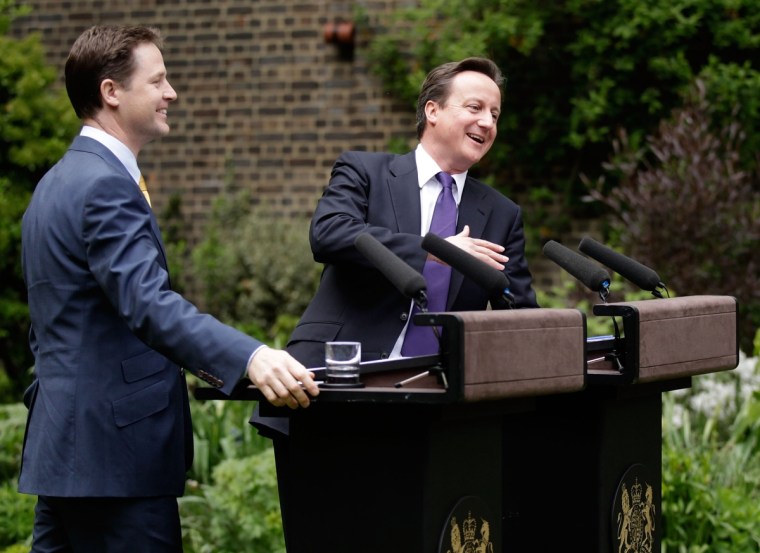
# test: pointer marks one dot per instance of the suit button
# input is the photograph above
(404, 316)
(384, 355)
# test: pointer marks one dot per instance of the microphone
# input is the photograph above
(493, 280)
(405, 279)
(590, 274)
(641, 275)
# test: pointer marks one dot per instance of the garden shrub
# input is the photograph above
(685, 207)
(240, 511)
(255, 267)
(16, 515)
(711, 464)
(221, 431)
(12, 427)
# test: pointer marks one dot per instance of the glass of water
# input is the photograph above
(342, 364)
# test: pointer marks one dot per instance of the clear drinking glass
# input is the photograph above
(342, 364)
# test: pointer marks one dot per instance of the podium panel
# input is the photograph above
(363, 482)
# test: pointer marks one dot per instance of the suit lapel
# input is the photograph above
(91, 145)
(474, 210)
(404, 190)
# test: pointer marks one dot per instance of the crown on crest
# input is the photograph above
(636, 491)
(469, 526)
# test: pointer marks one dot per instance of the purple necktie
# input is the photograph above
(421, 340)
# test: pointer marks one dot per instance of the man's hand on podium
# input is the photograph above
(282, 379)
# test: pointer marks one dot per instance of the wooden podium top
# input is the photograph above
(494, 355)
(677, 337)
(525, 352)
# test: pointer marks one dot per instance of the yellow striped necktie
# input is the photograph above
(144, 189)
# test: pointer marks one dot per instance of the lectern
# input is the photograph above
(522, 435)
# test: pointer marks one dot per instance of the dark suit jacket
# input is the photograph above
(379, 193)
(109, 416)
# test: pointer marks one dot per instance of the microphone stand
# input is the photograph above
(615, 355)
(420, 300)
(657, 294)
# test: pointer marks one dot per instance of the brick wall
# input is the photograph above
(264, 103)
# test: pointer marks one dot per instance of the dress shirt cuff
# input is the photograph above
(250, 359)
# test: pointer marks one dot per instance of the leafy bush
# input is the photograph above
(221, 431)
(16, 515)
(240, 511)
(685, 206)
(711, 464)
(16, 548)
(12, 426)
(231, 502)
(255, 268)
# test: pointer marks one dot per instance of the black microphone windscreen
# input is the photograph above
(590, 274)
(641, 275)
(487, 277)
(403, 277)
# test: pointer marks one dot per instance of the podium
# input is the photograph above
(522, 435)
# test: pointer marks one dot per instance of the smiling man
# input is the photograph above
(108, 438)
(398, 199)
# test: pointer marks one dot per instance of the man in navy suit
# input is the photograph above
(109, 435)
(393, 197)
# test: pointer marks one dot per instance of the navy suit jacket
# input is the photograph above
(109, 412)
(379, 193)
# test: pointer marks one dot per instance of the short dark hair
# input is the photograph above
(103, 52)
(437, 85)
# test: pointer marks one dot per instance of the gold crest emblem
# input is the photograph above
(468, 539)
(636, 519)
(468, 529)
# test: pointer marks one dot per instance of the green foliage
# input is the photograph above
(16, 510)
(36, 124)
(231, 501)
(16, 548)
(177, 252)
(685, 206)
(239, 512)
(734, 92)
(711, 464)
(255, 267)
(12, 427)
(221, 431)
(15, 356)
(16, 515)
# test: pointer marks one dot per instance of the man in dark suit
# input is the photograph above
(394, 198)
(109, 435)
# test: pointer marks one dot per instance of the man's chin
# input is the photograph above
(162, 130)
(478, 153)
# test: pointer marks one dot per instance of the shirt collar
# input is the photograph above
(427, 169)
(116, 147)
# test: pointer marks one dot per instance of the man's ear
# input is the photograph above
(109, 92)
(431, 111)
